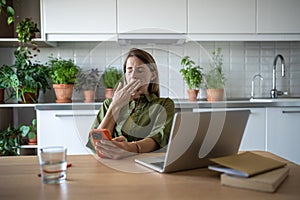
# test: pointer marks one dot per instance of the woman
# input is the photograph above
(137, 118)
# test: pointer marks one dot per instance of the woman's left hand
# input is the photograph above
(116, 148)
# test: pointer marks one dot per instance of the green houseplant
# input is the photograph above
(29, 77)
(10, 12)
(215, 78)
(27, 30)
(8, 80)
(32, 78)
(88, 80)
(110, 78)
(10, 141)
(11, 138)
(63, 74)
(29, 132)
(192, 75)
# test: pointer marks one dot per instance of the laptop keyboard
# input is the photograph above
(159, 164)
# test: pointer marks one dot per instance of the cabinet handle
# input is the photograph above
(291, 112)
(76, 115)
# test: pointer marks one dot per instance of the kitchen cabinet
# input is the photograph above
(243, 20)
(283, 135)
(217, 16)
(254, 135)
(144, 16)
(90, 20)
(68, 128)
(277, 16)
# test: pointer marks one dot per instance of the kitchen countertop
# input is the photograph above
(179, 104)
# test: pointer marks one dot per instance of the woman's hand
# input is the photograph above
(116, 148)
(123, 95)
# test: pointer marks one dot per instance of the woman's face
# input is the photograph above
(137, 70)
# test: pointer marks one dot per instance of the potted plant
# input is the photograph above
(87, 80)
(32, 78)
(63, 74)
(27, 30)
(27, 77)
(215, 78)
(110, 78)
(10, 141)
(29, 132)
(193, 77)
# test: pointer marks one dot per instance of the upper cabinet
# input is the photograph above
(155, 16)
(218, 16)
(278, 16)
(244, 20)
(88, 20)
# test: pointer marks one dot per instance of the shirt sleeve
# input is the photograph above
(163, 123)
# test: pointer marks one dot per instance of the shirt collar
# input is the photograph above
(149, 97)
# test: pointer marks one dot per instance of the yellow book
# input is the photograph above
(266, 182)
(245, 164)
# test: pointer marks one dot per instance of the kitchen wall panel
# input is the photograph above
(242, 60)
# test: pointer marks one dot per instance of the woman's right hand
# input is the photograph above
(123, 95)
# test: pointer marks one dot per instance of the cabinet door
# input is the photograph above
(69, 128)
(277, 16)
(255, 133)
(89, 16)
(217, 16)
(254, 137)
(155, 16)
(283, 134)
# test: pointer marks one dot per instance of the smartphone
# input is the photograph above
(100, 134)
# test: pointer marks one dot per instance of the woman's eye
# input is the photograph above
(140, 70)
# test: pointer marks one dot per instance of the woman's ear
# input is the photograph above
(154, 76)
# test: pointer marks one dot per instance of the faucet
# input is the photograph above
(252, 84)
(274, 93)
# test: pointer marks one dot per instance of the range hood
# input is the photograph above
(159, 38)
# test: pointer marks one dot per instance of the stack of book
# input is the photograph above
(250, 171)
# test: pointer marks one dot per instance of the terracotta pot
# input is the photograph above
(1, 95)
(89, 96)
(29, 97)
(32, 141)
(192, 94)
(214, 94)
(109, 93)
(63, 92)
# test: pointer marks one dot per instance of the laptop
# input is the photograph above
(198, 136)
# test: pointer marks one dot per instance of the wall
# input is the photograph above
(242, 60)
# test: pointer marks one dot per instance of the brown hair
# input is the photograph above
(146, 58)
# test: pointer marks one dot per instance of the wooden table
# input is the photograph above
(90, 179)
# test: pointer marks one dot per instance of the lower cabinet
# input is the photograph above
(254, 135)
(69, 128)
(283, 132)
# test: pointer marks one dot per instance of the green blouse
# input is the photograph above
(149, 117)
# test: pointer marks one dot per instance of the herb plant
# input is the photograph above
(87, 79)
(62, 71)
(191, 74)
(215, 78)
(111, 77)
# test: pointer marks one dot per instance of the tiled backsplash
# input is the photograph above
(242, 60)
